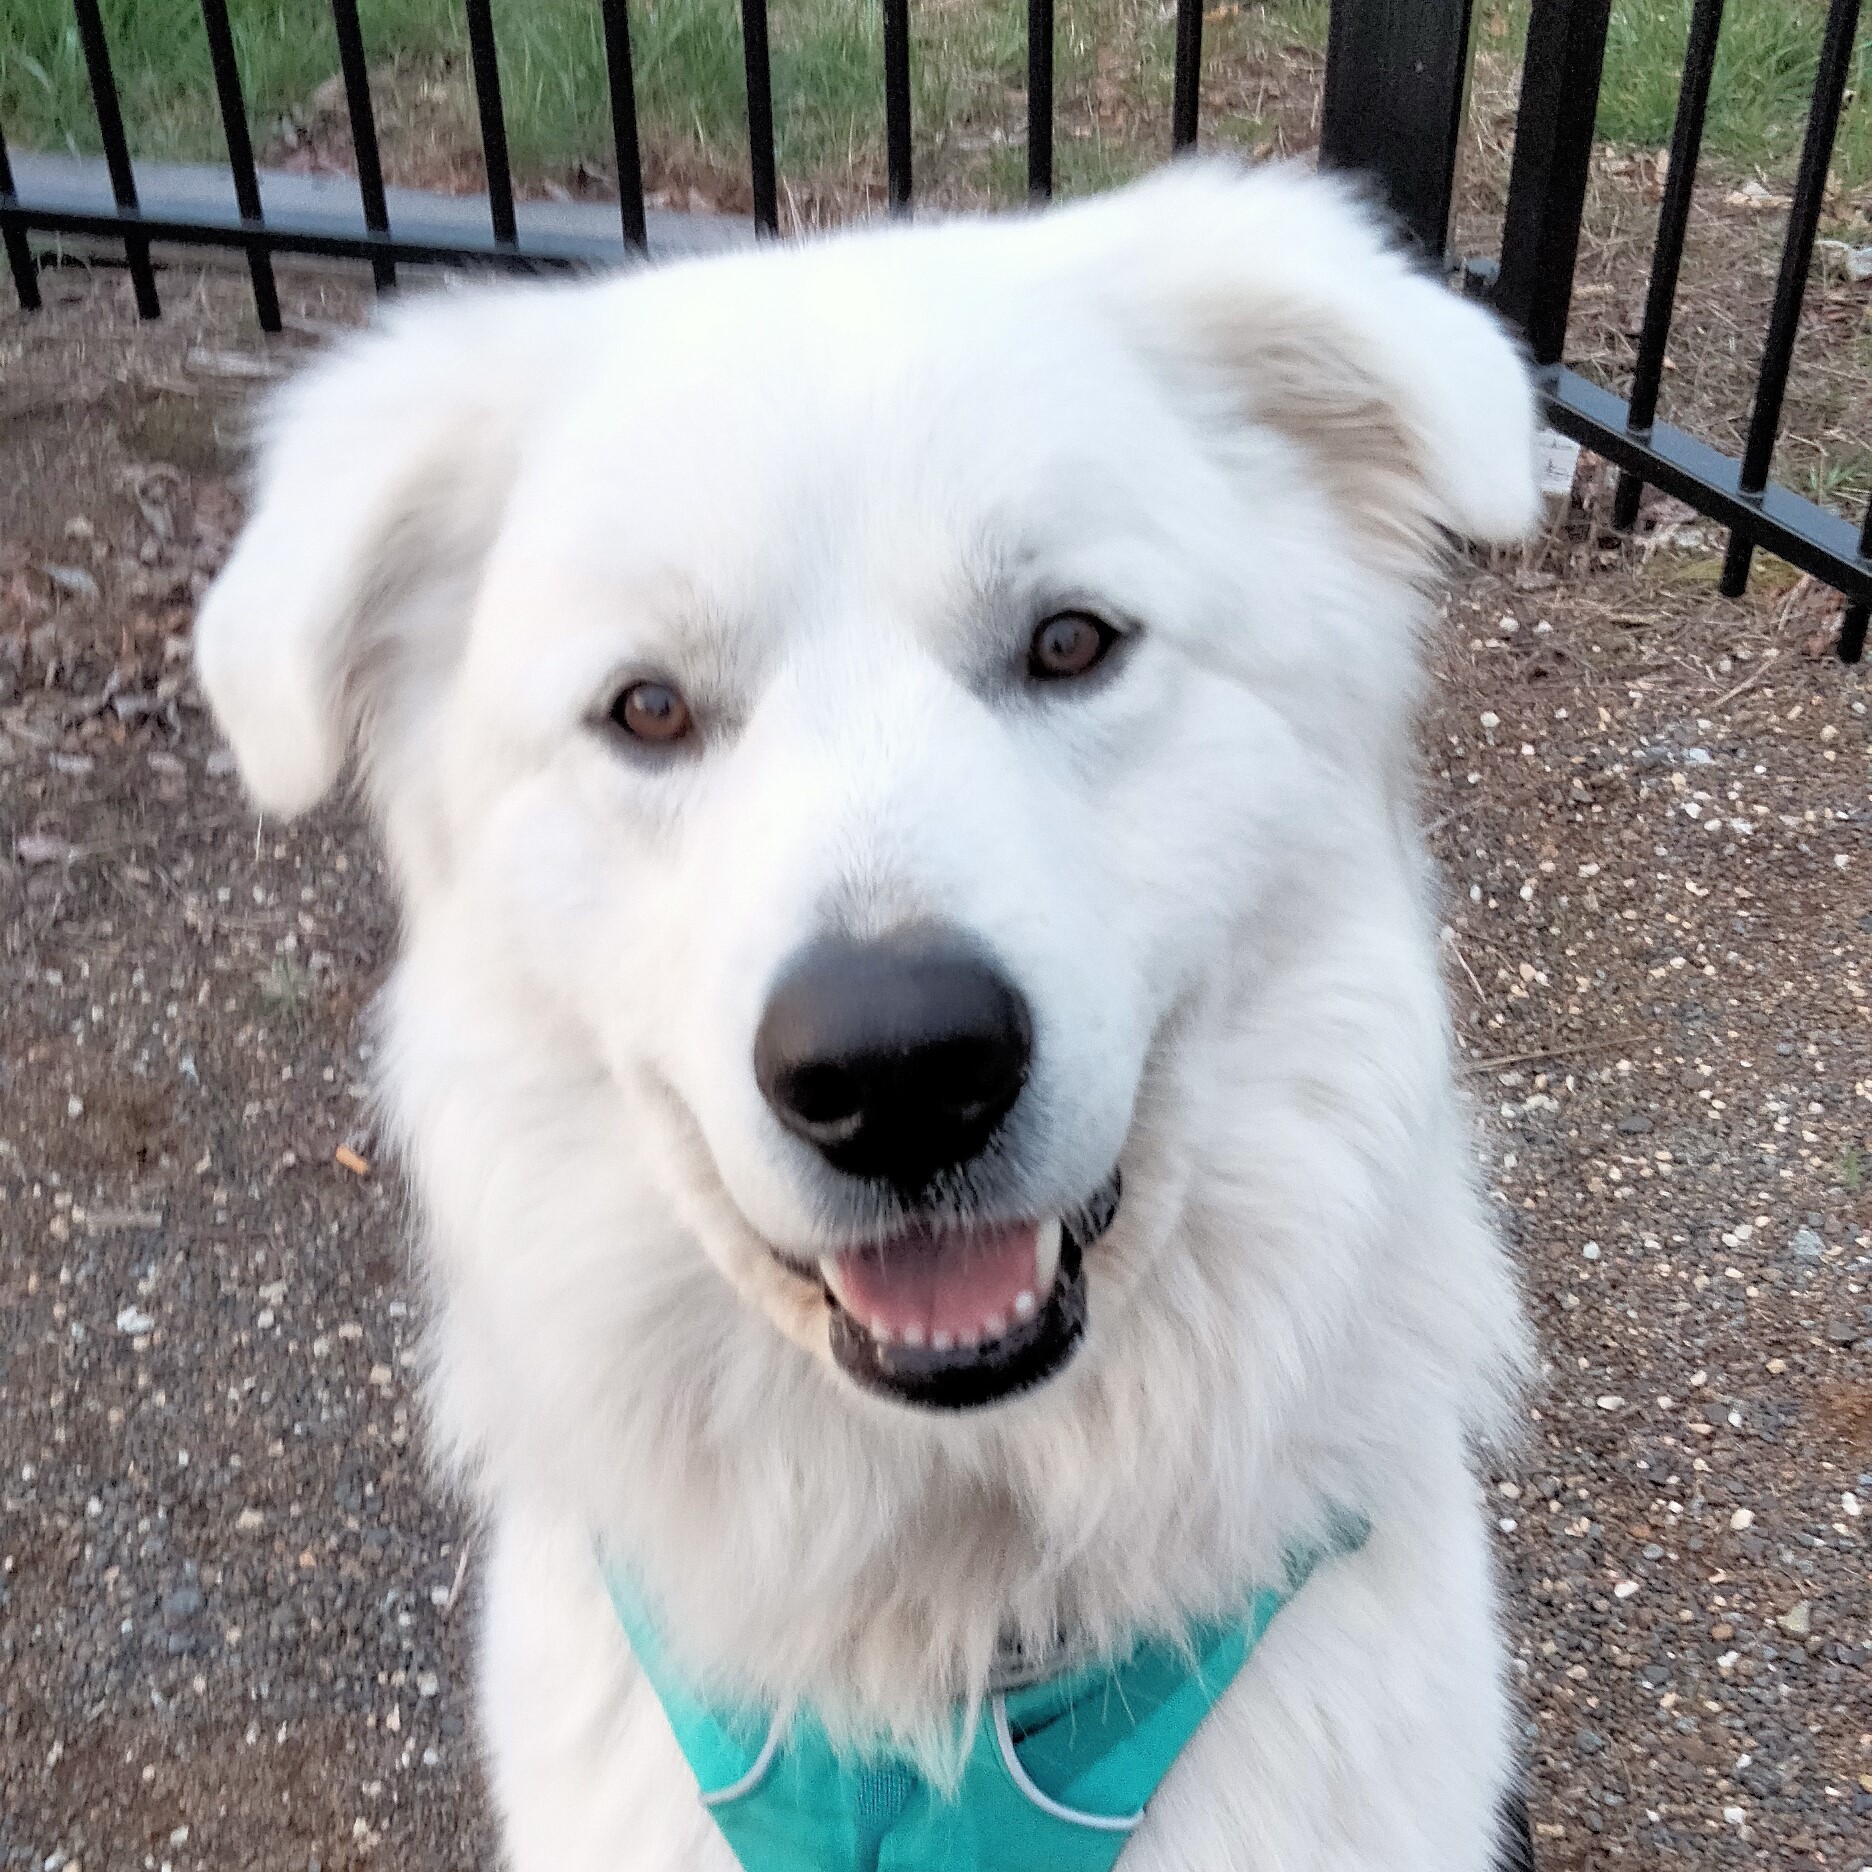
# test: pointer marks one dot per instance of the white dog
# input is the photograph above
(918, 1036)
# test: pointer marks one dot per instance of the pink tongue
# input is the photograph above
(962, 1284)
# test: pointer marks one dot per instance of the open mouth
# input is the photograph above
(954, 1318)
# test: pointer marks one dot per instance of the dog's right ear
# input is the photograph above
(381, 476)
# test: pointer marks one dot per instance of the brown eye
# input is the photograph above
(1067, 646)
(651, 711)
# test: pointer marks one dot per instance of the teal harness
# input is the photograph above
(1057, 1776)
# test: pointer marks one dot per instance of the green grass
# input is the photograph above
(160, 56)
(1114, 78)
(1765, 62)
(969, 70)
(286, 989)
(688, 62)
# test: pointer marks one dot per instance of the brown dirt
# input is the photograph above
(1653, 810)
(219, 1563)
(1668, 1029)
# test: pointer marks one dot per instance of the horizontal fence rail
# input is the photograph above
(1396, 76)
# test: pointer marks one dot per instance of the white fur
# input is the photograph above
(828, 489)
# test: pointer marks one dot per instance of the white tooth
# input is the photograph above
(1025, 1305)
(941, 1342)
(1046, 1255)
(881, 1332)
(913, 1334)
(829, 1273)
(993, 1328)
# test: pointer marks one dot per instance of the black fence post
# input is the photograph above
(1396, 75)
(623, 86)
(1186, 100)
(897, 150)
(240, 156)
(1552, 160)
(1686, 145)
(1039, 99)
(116, 152)
(1852, 637)
(757, 61)
(484, 63)
(1830, 85)
(363, 120)
(19, 255)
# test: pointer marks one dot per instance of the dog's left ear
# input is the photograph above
(1276, 297)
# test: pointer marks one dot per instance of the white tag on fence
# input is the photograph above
(1555, 458)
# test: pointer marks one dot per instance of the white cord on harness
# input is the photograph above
(755, 1775)
(1104, 1823)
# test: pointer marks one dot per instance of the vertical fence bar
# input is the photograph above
(1853, 634)
(363, 120)
(759, 66)
(116, 150)
(240, 156)
(1673, 225)
(1836, 59)
(623, 83)
(1552, 161)
(1396, 74)
(19, 253)
(484, 63)
(1039, 99)
(1186, 101)
(897, 104)
(1853, 625)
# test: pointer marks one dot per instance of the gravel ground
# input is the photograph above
(234, 1610)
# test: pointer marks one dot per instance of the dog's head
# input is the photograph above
(850, 711)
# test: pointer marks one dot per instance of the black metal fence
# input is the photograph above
(1395, 79)
(1540, 241)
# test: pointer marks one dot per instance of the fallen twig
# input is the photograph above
(1560, 1050)
(1747, 682)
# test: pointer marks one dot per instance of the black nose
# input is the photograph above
(897, 1058)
